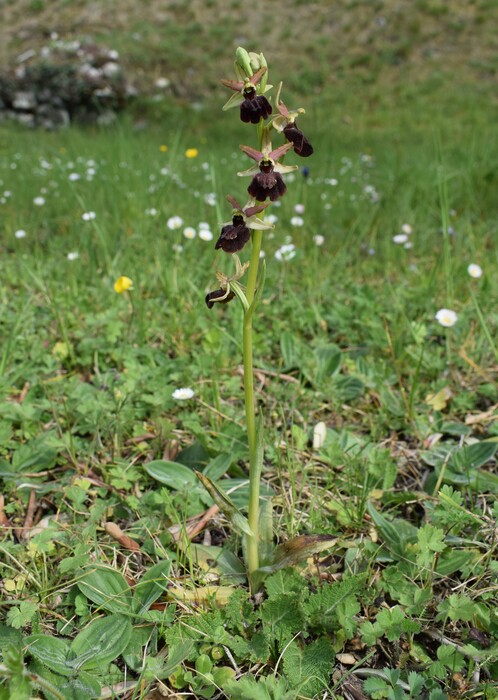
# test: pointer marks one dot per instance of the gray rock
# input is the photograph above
(24, 101)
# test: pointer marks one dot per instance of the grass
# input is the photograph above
(404, 602)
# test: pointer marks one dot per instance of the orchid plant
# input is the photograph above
(248, 224)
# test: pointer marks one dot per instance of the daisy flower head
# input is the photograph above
(285, 252)
(189, 232)
(123, 284)
(39, 201)
(400, 238)
(183, 394)
(88, 216)
(474, 270)
(174, 222)
(406, 228)
(297, 221)
(299, 208)
(318, 239)
(73, 177)
(73, 255)
(205, 234)
(446, 317)
(21, 233)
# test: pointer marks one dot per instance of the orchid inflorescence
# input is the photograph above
(250, 88)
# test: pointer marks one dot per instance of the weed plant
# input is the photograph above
(118, 576)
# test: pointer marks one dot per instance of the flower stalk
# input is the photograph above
(248, 223)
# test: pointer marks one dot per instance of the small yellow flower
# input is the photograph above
(163, 148)
(123, 284)
(191, 153)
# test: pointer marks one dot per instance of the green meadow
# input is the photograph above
(375, 368)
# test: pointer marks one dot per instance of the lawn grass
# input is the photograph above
(404, 603)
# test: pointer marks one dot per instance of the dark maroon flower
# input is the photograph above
(301, 144)
(254, 107)
(267, 183)
(219, 295)
(233, 236)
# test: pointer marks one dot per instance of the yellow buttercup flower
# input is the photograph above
(163, 148)
(123, 284)
(191, 153)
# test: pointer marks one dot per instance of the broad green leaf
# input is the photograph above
(328, 361)
(226, 506)
(397, 534)
(101, 642)
(472, 456)
(151, 586)
(172, 474)
(220, 560)
(218, 466)
(290, 350)
(308, 668)
(107, 588)
(51, 651)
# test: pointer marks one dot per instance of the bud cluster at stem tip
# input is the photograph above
(250, 87)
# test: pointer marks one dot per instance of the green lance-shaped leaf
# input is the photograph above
(101, 642)
(52, 652)
(172, 474)
(227, 507)
(151, 586)
(298, 549)
(107, 588)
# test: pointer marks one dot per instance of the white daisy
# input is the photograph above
(20, 234)
(297, 221)
(406, 228)
(299, 208)
(205, 234)
(39, 201)
(400, 238)
(285, 252)
(174, 222)
(474, 270)
(446, 317)
(88, 215)
(183, 394)
(73, 177)
(189, 232)
(73, 256)
(319, 239)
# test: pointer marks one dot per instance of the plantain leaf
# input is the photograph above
(151, 586)
(172, 474)
(51, 651)
(101, 642)
(107, 588)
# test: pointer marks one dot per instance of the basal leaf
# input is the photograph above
(51, 651)
(473, 456)
(172, 474)
(107, 588)
(151, 586)
(101, 642)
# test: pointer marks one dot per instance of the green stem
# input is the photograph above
(250, 406)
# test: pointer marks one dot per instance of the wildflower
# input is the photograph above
(88, 216)
(446, 317)
(319, 240)
(406, 228)
(400, 238)
(299, 208)
(191, 153)
(286, 123)
(183, 394)
(163, 148)
(21, 233)
(123, 284)
(162, 83)
(222, 296)
(297, 221)
(74, 176)
(73, 256)
(235, 234)
(152, 211)
(39, 201)
(174, 222)
(474, 270)
(189, 232)
(205, 234)
(271, 219)
(253, 107)
(285, 252)
(204, 225)
(267, 179)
